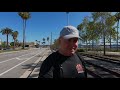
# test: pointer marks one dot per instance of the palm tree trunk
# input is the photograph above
(23, 35)
(24, 26)
(7, 41)
(14, 44)
(24, 32)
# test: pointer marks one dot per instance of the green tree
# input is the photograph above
(102, 25)
(6, 31)
(111, 32)
(25, 16)
(83, 30)
(12, 43)
(117, 15)
(55, 45)
(93, 33)
(3, 44)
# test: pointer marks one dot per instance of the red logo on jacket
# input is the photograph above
(79, 68)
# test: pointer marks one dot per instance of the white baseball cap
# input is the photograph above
(69, 32)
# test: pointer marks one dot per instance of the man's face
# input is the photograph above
(68, 46)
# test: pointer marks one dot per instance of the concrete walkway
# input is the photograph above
(37, 64)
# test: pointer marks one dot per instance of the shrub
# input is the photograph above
(80, 50)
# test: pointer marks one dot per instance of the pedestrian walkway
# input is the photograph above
(35, 72)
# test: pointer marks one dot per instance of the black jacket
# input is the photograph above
(59, 66)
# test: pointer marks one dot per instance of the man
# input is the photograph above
(64, 63)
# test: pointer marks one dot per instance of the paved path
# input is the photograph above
(35, 72)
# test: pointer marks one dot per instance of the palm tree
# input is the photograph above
(15, 35)
(36, 42)
(43, 41)
(48, 39)
(6, 31)
(117, 15)
(24, 16)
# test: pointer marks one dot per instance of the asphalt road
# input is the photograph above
(15, 64)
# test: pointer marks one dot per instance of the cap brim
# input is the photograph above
(70, 36)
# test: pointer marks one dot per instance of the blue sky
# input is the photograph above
(40, 25)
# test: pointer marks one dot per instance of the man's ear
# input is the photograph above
(59, 40)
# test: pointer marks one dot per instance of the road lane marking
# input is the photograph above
(21, 58)
(36, 69)
(17, 65)
(16, 51)
(15, 57)
(28, 71)
(18, 58)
